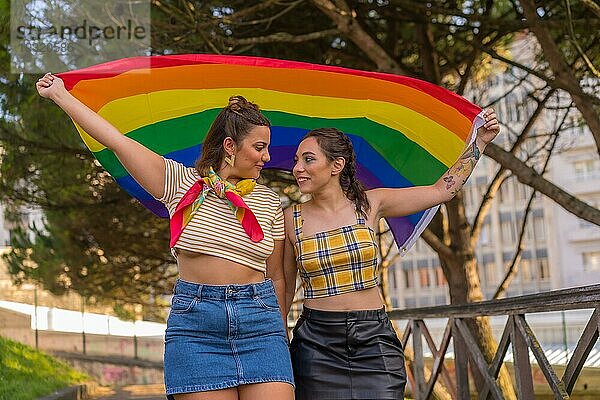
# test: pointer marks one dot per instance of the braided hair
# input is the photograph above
(334, 144)
(234, 121)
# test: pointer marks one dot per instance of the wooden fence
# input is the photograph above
(517, 333)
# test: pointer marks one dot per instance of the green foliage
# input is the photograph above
(26, 373)
(96, 239)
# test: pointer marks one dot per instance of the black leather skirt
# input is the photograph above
(347, 355)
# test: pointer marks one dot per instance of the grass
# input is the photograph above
(26, 373)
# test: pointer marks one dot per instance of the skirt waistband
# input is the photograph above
(201, 290)
(343, 316)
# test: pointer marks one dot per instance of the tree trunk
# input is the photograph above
(465, 287)
(439, 391)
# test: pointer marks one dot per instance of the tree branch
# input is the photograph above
(512, 269)
(429, 57)
(263, 5)
(529, 177)
(436, 244)
(479, 38)
(346, 22)
(15, 139)
(554, 83)
(267, 20)
(573, 39)
(284, 37)
(500, 175)
(591, 4)
(561, 70)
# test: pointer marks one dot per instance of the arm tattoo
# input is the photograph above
(458, 174)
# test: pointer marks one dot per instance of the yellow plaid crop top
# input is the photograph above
(336, 261)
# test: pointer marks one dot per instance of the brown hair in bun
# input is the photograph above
(234, 121)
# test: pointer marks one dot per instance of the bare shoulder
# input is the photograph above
(288, 213)
(289, 220)
(375, 196)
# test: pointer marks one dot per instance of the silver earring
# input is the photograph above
(230, 160)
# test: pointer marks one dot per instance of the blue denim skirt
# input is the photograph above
(219, 337)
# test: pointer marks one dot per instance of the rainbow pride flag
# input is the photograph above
(405, 131)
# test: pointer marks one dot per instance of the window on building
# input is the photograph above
(409, 278)
(591, 261)
(527, 272)
(419, 245)
(507, 231)
(392, 275)
(479, 193)
(425, 301)
(468, 196)
(528, 230)
(424, 280)
(440, 279)
(586, 170)
(503, 193)
(476, 191)
(539, 229)
(543, 269)
(521, 191)
(475, 196)
(491, 273)
(484, 236)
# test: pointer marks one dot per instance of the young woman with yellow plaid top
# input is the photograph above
(344, 346)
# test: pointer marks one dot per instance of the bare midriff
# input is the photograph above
(367, 299)
(211, 270)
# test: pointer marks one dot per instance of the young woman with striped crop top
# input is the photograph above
(225, 336)
(344, 346)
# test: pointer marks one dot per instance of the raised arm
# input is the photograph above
(388, 202)
(145, 166)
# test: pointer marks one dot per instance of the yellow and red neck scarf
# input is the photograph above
(232, 194)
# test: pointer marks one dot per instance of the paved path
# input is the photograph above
(133, 392)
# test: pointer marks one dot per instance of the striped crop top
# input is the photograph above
(336, 261)
(214, 230)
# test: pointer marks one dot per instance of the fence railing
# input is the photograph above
(517, 333)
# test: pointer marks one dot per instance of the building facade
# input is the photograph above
(559, 249)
